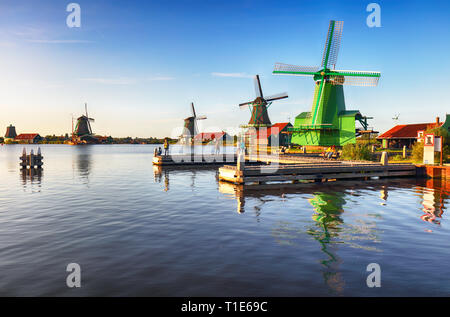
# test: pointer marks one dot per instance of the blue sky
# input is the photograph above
(139, 64)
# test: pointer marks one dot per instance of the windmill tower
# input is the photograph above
(260, 117)
(83, 131)
(329, 123)
(190, 129)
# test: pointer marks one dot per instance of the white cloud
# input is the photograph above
(59, 41)
(161, 78)
(124, 80)
(110, 81)
(233, 75)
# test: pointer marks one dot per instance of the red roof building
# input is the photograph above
(28, 138)
(406, 134)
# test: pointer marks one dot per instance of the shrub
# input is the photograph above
(398, 157)
(417, 152)
(356, 152)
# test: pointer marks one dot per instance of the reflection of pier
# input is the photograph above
(241, 192)
(164, 173)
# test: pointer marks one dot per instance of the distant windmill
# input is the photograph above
(83, 130)
(190, 124)
(396, 117)
(260, 117)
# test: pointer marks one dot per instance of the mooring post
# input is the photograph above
(304, 149)
(404, 151)
(384, 158)
(240, 161)
(31, 158)
(23, 158)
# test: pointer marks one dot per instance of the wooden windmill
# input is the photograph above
(190, 129)
(83, 130)
(260, 117)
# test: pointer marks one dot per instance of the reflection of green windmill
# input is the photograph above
(328, 123)
(328, 208)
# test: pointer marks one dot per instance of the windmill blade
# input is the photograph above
(332, 44)
(193, 109)
(201, 118)
(355, 78)
(242, 105)
(89, 127)
(258, 88)
(287, 69)
(91, 119)
(277, 97)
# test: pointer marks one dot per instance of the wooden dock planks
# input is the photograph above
(314, 172)
(194, 160)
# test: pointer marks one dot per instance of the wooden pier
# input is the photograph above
(292, 174)
(195, 160)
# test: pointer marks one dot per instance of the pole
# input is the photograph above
(442, 149)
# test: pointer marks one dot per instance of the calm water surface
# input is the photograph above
(140, 230)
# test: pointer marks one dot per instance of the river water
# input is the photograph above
(138, 230)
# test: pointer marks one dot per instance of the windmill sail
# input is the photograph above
(332, 44)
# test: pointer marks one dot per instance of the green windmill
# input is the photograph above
(329, 123)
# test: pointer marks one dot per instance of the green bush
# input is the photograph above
(398, 157)
(356, 152)
(417, 152)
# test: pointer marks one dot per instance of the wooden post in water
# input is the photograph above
(240, 161)
(32, 161)
(404, 151)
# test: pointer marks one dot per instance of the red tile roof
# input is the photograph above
(209, 135)
(26, 136)
(274, 129)
(407, 131)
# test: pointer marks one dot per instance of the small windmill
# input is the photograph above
(328, 123)
(259, 106)
(83, 130)
(190, 129)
